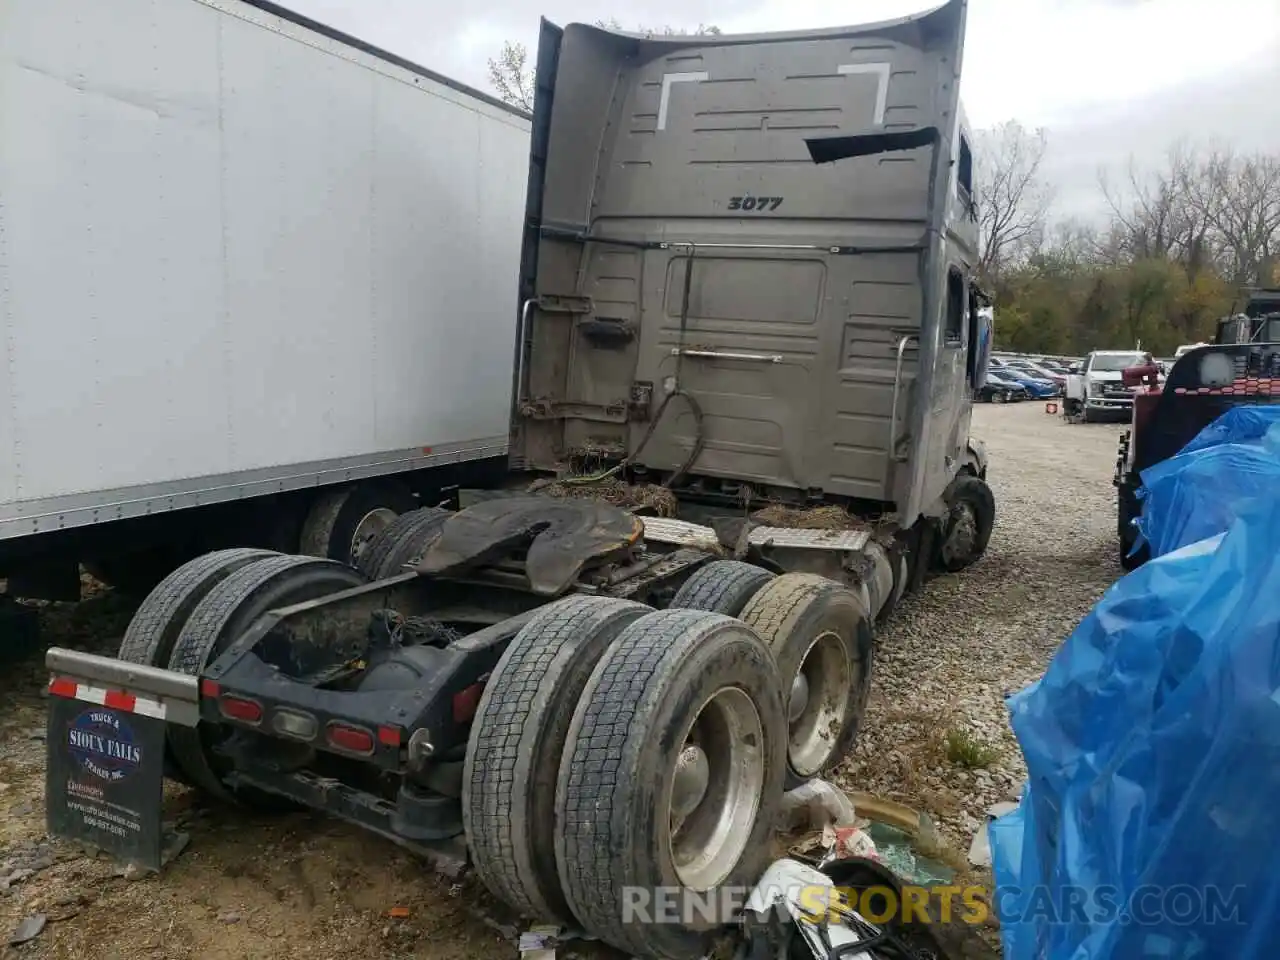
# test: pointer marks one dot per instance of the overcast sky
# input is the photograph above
(1110, 79)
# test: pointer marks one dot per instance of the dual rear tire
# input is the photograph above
(615, 749)
(619, 752)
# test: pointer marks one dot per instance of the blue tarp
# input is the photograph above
(1229, 466)
(1152, 811)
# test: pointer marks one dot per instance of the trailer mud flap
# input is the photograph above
(105, 754)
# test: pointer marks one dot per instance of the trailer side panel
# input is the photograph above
(239, 256)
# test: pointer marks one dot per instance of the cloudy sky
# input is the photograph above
(1109, 79)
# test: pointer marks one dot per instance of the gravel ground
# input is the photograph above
(303, 886)
(951, 653)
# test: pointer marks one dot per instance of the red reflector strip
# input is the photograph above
(119, 700)
(209, 688)
(62, 687)
(111, 699)
(389, 736)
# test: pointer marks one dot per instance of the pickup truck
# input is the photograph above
(1097, 392)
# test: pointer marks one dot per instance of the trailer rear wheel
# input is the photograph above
(722, 586)
(402, 540)
(517, 738)
(967, 527)
(671, 779)
(155, 626)
(343, 522)
(217, 622)
(820, 636)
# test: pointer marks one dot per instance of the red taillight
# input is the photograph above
(208, 688)
(465, 702)
(241, 709)
(350, 739)
(389, 736)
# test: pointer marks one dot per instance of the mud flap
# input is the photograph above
(105, 754)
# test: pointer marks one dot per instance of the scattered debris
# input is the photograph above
(640, 497)
(980, 849)
(897, 851)
(228, 916)
(827, 517)
(814, 806)
(398, 913)
(29, 929)
(539, 943)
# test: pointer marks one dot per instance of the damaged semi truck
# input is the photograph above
(747, 277)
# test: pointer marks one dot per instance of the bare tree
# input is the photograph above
(1239, 197)
(1013, 200)
(513, 76)
(1155, 215)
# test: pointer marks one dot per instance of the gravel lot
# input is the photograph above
(300, 885)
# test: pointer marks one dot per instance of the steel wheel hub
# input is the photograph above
(715, 789)
(370, 525)
(817, 721)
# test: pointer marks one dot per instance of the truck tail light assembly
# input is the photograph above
(346, 738)
(240, 709)
(295, 724)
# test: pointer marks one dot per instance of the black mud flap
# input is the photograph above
(105, 754)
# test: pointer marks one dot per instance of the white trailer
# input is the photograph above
(242, 256)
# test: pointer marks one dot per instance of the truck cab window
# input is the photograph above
(956, 312)
(964, 174)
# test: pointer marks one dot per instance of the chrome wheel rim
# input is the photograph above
(823, 678)
(370, 525)
(715, 789)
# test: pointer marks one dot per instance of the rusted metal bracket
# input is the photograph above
(558, 303)
(547, 409)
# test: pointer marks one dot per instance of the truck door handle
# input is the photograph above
(727, 355)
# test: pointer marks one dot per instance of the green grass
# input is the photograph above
(964, 750)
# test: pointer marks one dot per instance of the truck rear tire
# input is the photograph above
(154, 629)
(722, 586)
(820, 637)
(517, 738)
(342, 522)
(671, 778)
(397, 544)
(219, 620)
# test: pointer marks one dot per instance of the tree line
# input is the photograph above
(1177, 246)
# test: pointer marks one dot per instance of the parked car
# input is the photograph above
(1038, 387)
(999, 390)
(1040, 370)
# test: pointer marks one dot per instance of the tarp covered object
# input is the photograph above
(1150, 821)
(1226, 470)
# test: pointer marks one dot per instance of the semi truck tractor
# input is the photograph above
(746, 280)
(255, 286)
